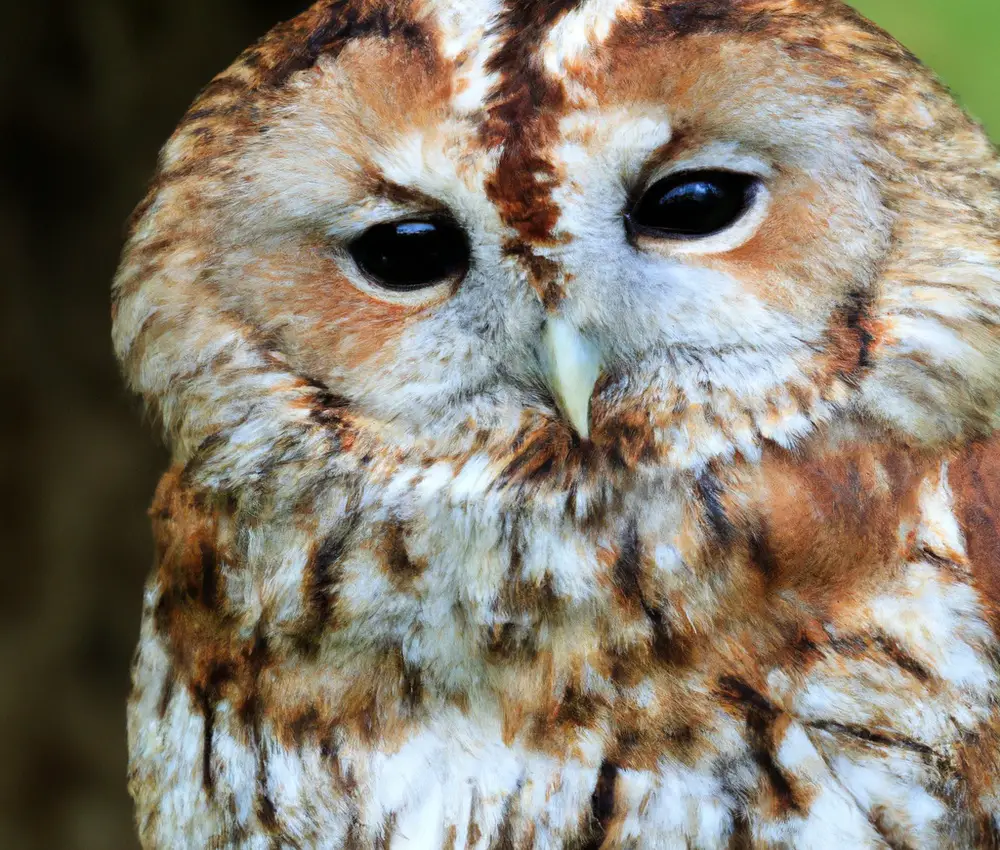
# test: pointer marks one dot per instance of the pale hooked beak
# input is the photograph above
(572, 365)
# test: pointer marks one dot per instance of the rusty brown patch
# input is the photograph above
(305, 725)
(544, 275)
(978, 761)
(207, 653)
(511, 643)
(540, 452)
(642, 738)
(626, 438)
(805, 641)
(332, 309)
(637, 747)
(853, 337)
(184, 533)
(975, 480)
(628, 665)
(474, 832)
(828, 525)
(402, 570)
(190, 613)
(325, 30)
(559, 726)
(378, 708)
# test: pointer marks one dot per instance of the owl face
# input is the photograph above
(662, 232)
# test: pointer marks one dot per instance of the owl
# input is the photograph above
(584, 429)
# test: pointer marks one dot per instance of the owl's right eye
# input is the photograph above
(403, 256)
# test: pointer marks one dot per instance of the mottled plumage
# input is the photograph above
(407, 595)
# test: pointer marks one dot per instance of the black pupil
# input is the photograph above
(694, 203)
(407, 255)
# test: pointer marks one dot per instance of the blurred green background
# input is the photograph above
(960, 39)
(89, 90)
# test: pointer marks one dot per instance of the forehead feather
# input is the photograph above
(550, 33)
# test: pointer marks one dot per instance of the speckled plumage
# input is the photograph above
(398, 602)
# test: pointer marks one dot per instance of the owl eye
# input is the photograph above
(691, 204)
(406, 255)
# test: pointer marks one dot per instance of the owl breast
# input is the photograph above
(444, 666)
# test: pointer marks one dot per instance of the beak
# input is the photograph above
(571, 365)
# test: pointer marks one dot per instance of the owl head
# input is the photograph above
(606, 235)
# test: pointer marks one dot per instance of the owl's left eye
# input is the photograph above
(403, 256)
(693, 204)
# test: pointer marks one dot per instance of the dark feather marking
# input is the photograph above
(762, 556)
(879, 738)
(209, 577)
(742, 836)
(411, 686)
(710, 491)
(328, 407)
(224, 84)
(626, 575)
(858, 312)
(383, 840)
(402, 568)
(628, 563)
(208, 712)
(208, 695)
(862, 646)
(474, 832)
(602, 805)
(695, 17)
(167, 692)
(267, 813)
(321, 582)
(342, 22)
(902, 658)
(304, 725)
(249, 709)
(250, 713)
(760, 717)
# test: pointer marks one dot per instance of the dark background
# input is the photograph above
(88, 93)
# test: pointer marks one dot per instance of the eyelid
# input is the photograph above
(351, 222)
(717, 157)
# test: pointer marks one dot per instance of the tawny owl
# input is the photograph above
(583, 428)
